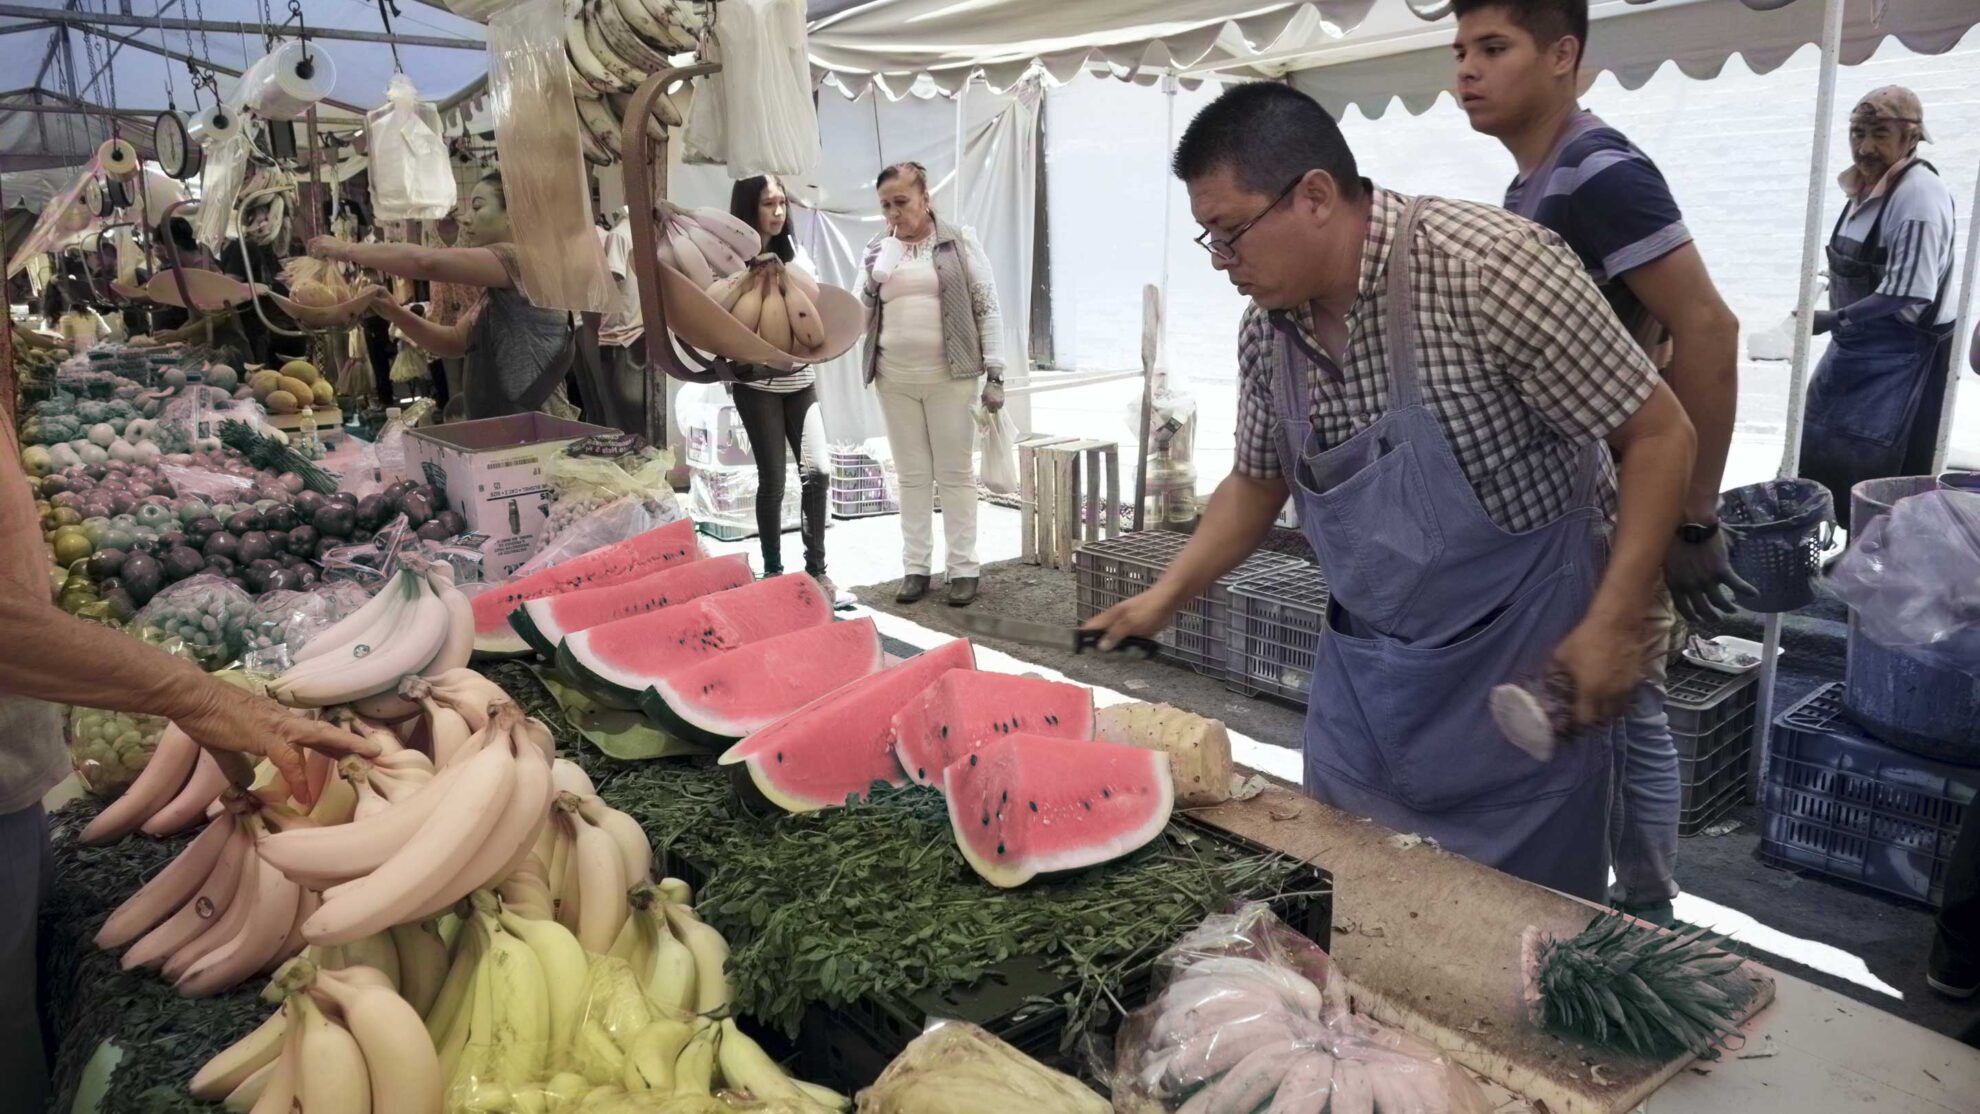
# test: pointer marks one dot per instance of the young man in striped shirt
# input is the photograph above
(1518, 79)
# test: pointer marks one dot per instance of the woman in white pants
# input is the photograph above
(933, 330)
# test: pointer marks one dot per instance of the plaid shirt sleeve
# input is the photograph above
(1257, 415)
(1572, 360)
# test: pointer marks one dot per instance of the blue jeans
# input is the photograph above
(1643, 822)
(24, 876)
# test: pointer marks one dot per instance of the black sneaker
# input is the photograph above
(1950, 973)
(913, 587)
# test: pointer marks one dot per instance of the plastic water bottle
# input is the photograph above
(309, 432)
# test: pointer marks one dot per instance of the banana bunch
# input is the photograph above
(418, 624)
(705, 244)
(512, 992)
(343, 1042)
(413, 958)
(469, 825)
(219, 912)
(612, 47)
(677, 959)
(776, 301)
(586, 858)
(676, 1065)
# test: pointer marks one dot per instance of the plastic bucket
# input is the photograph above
(1960, 481)
(1898, 698)
(1778, 529)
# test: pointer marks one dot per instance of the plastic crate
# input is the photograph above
(1275, 624)
(1109, 571)
(1712, 720)
(1840, 803)
(861, 486)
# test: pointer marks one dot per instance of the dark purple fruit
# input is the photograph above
(104, 563)
(280, 580)
(453, 522)
(222, 565)
(325, 545)
(432, 532)
(373, 511)
(222, 544)
(347, 498)
(307, 502)
(202, 527)
(417, 508)
(359, 537)
(257, 578)
(143, 576)
(255, 546)
(122, 607)
(240, 582)
(302, 540)
(306, 577)
(182, 561)
(335, 520)
(244, 521)
(279, 517)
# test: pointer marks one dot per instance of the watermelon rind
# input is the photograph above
(626, 735)
(535, 620)
(1083, 784)
(850, 726)
(605, 692)
(836, 654)
(927, 740)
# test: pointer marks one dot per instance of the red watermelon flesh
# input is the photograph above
(842, 742)
(720, 700)
(672, 544)
(633, 653)
(963, 712)
(1027, 805)
(544, 623)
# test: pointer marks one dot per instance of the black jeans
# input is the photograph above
(774, 420)
(1959, 915)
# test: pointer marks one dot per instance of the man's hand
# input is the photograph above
(1141, 616)
(993, 395)
(1605, 658)
(1702, 580)
(228, 720)
(327, 247)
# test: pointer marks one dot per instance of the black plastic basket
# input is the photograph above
(1778, 529)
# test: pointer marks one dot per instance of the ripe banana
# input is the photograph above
(802, 279)
(583, 61)
(652, 31)
(664, 966)
(654, 1053)
(694, 1070)
(775, 324)
(270, 914)
(465, 691)
(375, 951)
(169, 888)
(823, 1096)
(332, 1074)
(627, 836)
(336, 802)
(231, 1066)
(807, 327)
(509, 840)
(404, 1069)
(564, 969)
(711, 955)
(242, 1098)
(528, 896)
(319, 856)
(201, 912)
(521, 1037)
(171, 763)
(570, 777)
(676, 891)
(741, 239)
(456, 989)
(457, 825)
(533, 732)
(422, 958)
(728, 291)
(458, 645)
(408, 648)
(691, 262)
(749, 307)
(624, 40)
(747, 1067)
(621, 69)
(716, 250)
(350, 628)
(601, 887)
(278, 1096)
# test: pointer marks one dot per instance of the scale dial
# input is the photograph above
(177, 154)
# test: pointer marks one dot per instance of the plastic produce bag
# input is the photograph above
(581, 484)
(203, 483)
(280, 624)
(614, 522)
(411, 178)
(1253, 1016)
(996, 439)
(109, 749)
(958, 1068)
(1913, 579)
(208, 613)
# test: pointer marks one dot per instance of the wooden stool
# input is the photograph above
(1069, 493)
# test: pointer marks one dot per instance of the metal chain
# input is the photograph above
(171, 98)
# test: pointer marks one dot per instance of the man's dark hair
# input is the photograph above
(1548, 21)
(1268, 134)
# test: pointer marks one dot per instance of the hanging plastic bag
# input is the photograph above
(1913, 579)
(411, 178)
(208, 613)
(1252, 1014)
(220, 180)
(996, 439)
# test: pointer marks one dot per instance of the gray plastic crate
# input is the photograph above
(1275, 624)
(1111, 570)
(1712, 722)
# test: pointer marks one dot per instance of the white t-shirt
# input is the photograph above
(911, 324)
(623, 326)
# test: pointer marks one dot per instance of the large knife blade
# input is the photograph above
(1070, 640)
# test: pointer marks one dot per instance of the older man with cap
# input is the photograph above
(1873, 405)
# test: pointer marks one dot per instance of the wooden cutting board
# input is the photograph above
(1430, 942)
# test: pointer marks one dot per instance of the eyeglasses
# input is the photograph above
(1225, 250)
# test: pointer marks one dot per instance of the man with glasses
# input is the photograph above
(1440, 387)
(1874, 401)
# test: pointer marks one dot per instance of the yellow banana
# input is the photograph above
(749, 306)
(564, 969)
(654, 1053)
(711, 955)
(374, 951)
(676, 891)
(664, 966)
(521, 1038)
(333, 1075)
(601, 888)
(404, 1070)
(597, 1055)
(422, 963)
(775, 324)
(233, 1064)
(454, 996)
(244, 1096)
(807, 328)
(823, 1096)
(745, 1066)
(694, 1071)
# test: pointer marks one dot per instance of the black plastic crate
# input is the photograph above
(1840, 803)
(1109, 571)
(1276, 619)
(1712, 716)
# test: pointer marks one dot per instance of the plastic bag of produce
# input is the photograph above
(1913, 579)
(109, 749)
(583, 480)
(281, 623)
(190, 482)
(613, 522)
(958, 1068)
(1252, 1015)
(208, 613)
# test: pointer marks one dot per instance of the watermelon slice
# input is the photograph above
(1027, 805)
(963, 712)
(672, 544)
(842, 742)
(545, 622)
(719, 701)
(616, 662)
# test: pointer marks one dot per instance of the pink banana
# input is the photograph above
(223, 927)
(271, 915)
(171, 763)
(511, 840)
(200, 911)
(169, 888)
(344, 851)
(189, 807)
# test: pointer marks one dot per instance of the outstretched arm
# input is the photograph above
(463, 266)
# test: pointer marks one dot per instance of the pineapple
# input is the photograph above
(1629, 985)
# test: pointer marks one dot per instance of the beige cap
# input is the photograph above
(1892, 102)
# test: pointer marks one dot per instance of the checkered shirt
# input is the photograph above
(1520, 357)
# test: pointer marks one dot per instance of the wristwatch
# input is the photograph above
(1695, 533)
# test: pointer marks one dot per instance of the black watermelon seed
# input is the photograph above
(1087, 805)
(1000, 847)
(945, 731)
(780, 758)
(1007, 797)
(1034, 806)
(921, 772)
(986, 819)
(972, 760)
(1106, 792)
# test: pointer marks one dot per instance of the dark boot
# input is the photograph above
(962, 591)
(913, 587)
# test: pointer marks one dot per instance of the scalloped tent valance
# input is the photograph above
(1362, 52)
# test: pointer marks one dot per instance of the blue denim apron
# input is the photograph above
(1432, 605)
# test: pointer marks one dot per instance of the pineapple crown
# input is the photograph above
(1623, 983)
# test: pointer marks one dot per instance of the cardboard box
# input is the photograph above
(496, 473)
